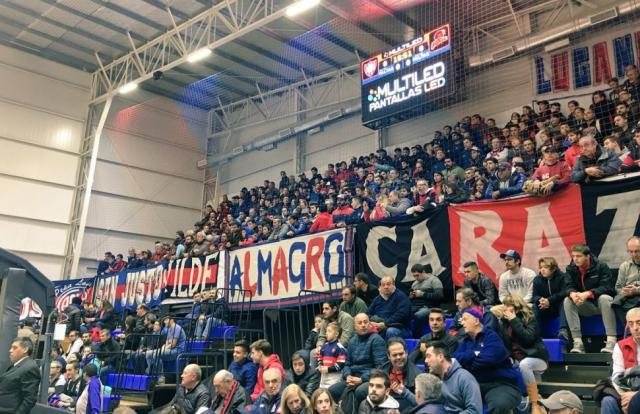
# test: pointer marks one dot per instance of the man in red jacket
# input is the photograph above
(551, 175)
(262, 355)
(324, 220)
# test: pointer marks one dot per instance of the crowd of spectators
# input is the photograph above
(536, 152)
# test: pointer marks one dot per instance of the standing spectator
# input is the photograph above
(402, 373)
(426, 292)
(74, 314)
(365, 290)
(628, 282)
(549, 291)
(351, 303)
(20, 382)
(589, 286)
(481, 284)
(379, 399)
(438, 333)
(460, 390)
(366, 351)
(517, 280)
(391, 310)
(505, 183)
(422, 199)
(324, 220)
(90, 401)
(118, 264)
(263, 356)
(428, 395)
(521, 334)
(594, 162)
(483, 354)
(625, 359)
(242, 368)
(331, 358)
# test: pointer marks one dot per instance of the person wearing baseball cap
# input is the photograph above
(563, 402)
(504, 183)
(483, 353)
(517, 280)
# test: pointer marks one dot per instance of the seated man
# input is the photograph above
(504, 183)
(74, 386)
(467, 299)
(108, 350)
(460, 390)
(594, 162)
(173, 346)
(402, 374)
(561, 402)
(391, 310)
(484, 355)
(628, 282)
(331, 313)
(57, 379)
(263, 356)
(426, 292)
(76, 344)
(379, 399)
(365, 351)
(230, 395)
(268, 402)
(590, 287)
(192, 394)
(517, 280)
(365, 290)
(625, 359)
(482, 285)
(351, 303)
(438, 333)
(214, 310)
(428, 395)
(243, 369)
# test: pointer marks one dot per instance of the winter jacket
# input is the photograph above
(395, 311)
(429, 407)
(74, 317)
(489, 320)
(354, 307)
(553, 288)
(523, 336)
(273, 361)
(368, 296)
(324, 221)
(309, 381)
(408, 397)
(461, 391)
(245, 373)
(597, 279)
(191, 401)
(355, 217)
(485, 289)
(266, 405)
(507, 188)
(398, 208)
(487, 359)
(604, 160)
(108, 352)
(312, 339)
(363, 354)
(450, 341)
(239, 399)
(218, 308)
(367, 407)
(559, 169)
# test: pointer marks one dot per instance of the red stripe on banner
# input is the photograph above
(601, 65)
(560, 66)
(535, 227)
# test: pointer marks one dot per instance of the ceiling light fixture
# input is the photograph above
(198, 55)
(301, 6)
(127, 87)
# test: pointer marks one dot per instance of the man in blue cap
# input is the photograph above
(517, 280)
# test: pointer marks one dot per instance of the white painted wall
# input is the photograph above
(146, 186)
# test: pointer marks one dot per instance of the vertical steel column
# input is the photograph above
(84, 185)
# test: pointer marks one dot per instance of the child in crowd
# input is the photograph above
(332, 357)
(310, 342)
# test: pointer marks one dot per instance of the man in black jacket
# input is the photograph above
(402, 373)
(365, 289)
(482, 285)
(549, 292)
(20, 382)
(74, 314)
(590, 288)
(108, 350)
(230, 395)
(191, 394)
(438, 333)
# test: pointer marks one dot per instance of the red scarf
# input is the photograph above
(227, 399)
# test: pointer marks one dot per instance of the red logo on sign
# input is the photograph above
(439, 38)
(370, 68)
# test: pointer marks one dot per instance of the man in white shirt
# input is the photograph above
(76, 344)
(517, 280)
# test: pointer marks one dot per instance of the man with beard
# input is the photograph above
(438, 333)
(379, 400)
(402, 374)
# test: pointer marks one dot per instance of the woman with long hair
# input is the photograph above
(294, 401)
(521, 335)
(322, 402)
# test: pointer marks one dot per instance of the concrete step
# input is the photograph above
(577, 373)
(582, 390)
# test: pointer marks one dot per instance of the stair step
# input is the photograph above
(582, 390)
(577, 373)
(589, 358)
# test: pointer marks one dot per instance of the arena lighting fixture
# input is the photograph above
(198, 55)
(127, 87)
(301, 6)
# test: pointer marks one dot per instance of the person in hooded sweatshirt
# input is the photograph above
(379, 399)
(301, 374)
(262, 355)
(460, 390)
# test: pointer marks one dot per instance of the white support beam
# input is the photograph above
(209, 29)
